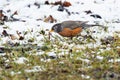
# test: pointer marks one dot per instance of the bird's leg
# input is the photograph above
(71, 38)
(78, 35)
(49, 35)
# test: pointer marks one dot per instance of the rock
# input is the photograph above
(96, 16)
(1, 49)
(37, 4)
(107, 40)
(88, 12)
(60, 8)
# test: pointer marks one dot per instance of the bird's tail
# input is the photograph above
(84, 26)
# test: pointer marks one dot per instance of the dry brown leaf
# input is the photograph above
(19, 35)
(15, 13)
(50, 19)
(13, 37)
(46, 2)
(58, 3)
(1, 15)
(21, 38)
(4, 33)
(66, 4)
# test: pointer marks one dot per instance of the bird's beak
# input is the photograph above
(51, 30)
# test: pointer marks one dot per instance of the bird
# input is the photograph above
(71, 28)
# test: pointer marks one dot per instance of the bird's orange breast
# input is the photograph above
(66, 32)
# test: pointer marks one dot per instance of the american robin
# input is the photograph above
(71, 28)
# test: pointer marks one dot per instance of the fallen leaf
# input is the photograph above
(4, 33)
(50, 19)
(13, 37)
(66, 4)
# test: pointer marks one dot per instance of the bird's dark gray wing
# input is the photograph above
(73, 24)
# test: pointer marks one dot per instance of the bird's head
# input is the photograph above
(56, 28)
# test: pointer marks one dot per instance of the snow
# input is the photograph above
(99, 57)
(21, 60)
(114, 60)
(108, 9)
(85, 76)
(34, 69)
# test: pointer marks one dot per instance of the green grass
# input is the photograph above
(77, 63)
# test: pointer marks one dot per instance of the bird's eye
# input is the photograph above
(55, 27)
